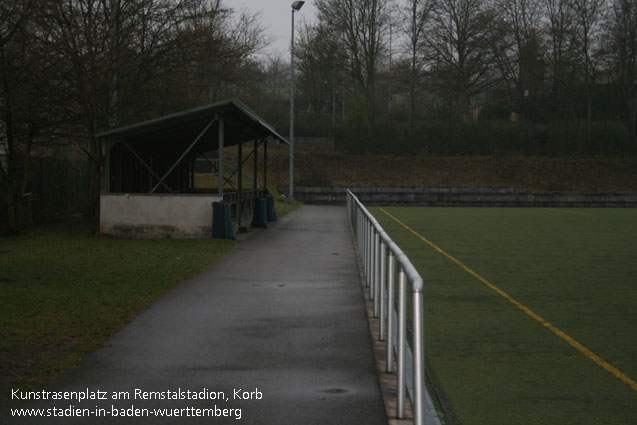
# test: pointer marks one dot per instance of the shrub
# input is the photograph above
(448, 137)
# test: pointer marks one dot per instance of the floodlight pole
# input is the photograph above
(296, 6)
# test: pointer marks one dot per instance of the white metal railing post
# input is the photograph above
(354, 212)
(370, 235)
(418, 353)
(367, 249)
(381, 301)
(361, 249)
(402, 336)
(366, 244)
(361, 236)
(372, 264)
(359, 233)
(390, 313)
(358, 224)
(372, 289)
(377, 294)
(381, 258)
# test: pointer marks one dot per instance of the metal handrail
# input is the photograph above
(381, 258)
(242, 203)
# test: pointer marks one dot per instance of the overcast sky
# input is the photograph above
(275, 16)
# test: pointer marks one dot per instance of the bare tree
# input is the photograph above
(215, 49)
(361, 25)
(588, 20)
(559, 30)
(459, 43)
(318, 57)
(518, 45)
(276, 75)
(89, 53)
(415, 15)
(142, 51)
(622, 38)
(21, 82)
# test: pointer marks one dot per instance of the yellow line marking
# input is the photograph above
(564, 211)
(588, 353)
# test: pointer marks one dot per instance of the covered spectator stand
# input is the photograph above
(148, 187)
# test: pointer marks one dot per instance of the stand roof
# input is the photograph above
(241, 125)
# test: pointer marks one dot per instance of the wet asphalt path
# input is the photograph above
(281, 318)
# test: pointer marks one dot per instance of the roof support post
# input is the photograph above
(255, 165)
(240, 183)
(192, 173)
(203, 132)
(106, 175)
(148, 167)
(221, 145)
(265, 164)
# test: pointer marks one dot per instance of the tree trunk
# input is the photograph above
(412, 91)
(589, 115)
(371, 102)
(13, 222)
(412, 106)
(93, 206)
(10, 174)
(632, 117)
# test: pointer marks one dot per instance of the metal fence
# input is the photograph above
(382, 261)
(242, 204)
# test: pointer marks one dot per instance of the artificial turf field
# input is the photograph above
(499, 364)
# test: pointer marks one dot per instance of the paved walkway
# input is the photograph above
(281, 317)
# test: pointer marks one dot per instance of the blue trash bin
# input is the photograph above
(222, 227)
(271, 212)
(260, 213)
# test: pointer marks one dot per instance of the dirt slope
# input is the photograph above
(321, 167)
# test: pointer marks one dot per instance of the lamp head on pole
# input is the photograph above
(297, 5)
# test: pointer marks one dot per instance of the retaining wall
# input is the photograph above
(452, 196)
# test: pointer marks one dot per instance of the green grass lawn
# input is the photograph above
(574, 267)
(64, 292)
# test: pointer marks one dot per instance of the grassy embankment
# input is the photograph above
(324, 167)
